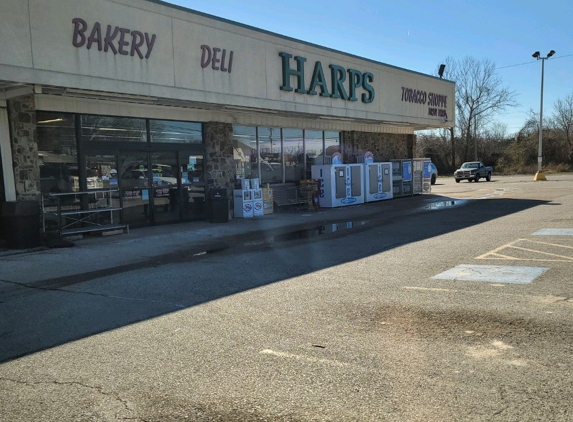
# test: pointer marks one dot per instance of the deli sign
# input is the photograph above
(118, 40)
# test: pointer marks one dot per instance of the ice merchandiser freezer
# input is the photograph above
(243, 203)
(377, 181)
(340, 184)
(402, 177)
(426, 175)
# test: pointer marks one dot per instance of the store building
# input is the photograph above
(94, 94)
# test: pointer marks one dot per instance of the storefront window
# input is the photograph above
(101, 171)
(113, 129)
(57, 152)
(293, 146)
(193, 185)
(245, 151)
(314, 144)
(270, 154)
(331, 143)
(176, 132)
(287, 157)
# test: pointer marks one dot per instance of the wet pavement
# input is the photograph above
(149, 246)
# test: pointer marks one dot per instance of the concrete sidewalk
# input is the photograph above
(158, 244)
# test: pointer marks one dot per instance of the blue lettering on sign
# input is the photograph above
(379, 195)
(346, 201)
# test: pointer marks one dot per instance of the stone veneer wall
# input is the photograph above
(384, 146)
(22, 117)
(220, 165)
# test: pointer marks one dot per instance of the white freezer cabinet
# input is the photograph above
(340, 184)
(377, 182)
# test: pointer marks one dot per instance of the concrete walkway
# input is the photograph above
(158, 244)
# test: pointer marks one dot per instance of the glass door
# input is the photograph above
(165, 197)
(134, 183)
(191, 167)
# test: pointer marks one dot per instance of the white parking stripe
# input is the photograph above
(554, 232)
(305, 358)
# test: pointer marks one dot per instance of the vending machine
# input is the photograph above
(422, 175)
(402, 177)
(340, 184)
(378, 182)
(243, 203)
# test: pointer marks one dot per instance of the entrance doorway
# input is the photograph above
(152, 187)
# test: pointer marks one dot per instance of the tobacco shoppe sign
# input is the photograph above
(436, 103)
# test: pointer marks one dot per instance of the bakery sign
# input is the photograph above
(118, 40)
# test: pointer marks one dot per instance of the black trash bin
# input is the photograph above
(219, 205)
(22, 224)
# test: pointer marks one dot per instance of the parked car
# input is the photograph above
(473, 171)
(434, 172)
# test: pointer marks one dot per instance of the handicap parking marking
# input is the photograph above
(531, 250)
(553, 232)
(492, 274)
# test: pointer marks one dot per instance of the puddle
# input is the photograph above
(318, 231)
(446, 204)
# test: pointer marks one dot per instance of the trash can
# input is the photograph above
(22, 224)
(220, 205)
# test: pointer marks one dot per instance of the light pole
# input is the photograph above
(540, 175)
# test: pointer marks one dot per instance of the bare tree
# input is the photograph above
(480, 95)
(563, 119)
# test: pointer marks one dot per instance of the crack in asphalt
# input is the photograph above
(176, 305)
(74, 383)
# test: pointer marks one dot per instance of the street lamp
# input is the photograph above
(539, 175)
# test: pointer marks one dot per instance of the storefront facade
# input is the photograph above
(162, 103)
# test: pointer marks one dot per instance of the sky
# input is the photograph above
(419, 35)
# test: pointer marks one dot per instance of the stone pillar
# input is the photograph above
(384, 146)
(22, 116)
(220, 164)
(411, 146)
